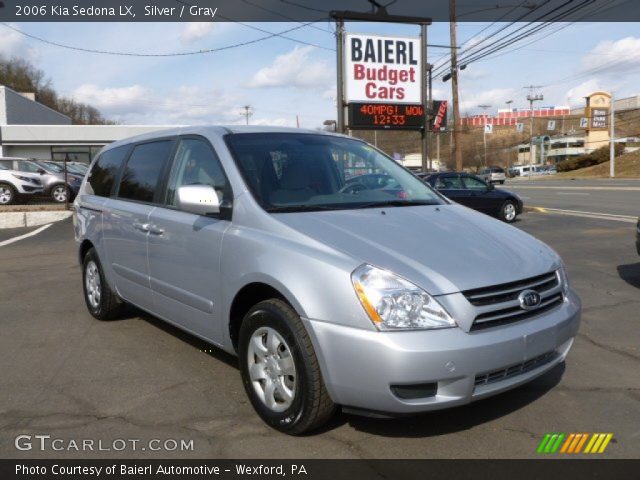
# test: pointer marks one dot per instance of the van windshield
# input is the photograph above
(289, 172)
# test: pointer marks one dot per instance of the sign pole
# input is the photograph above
(340, 127)
(612, 146)
(426, 160)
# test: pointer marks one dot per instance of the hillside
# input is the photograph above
(627, 166)
(21, 76)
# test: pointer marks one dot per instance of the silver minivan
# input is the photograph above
(382, 298)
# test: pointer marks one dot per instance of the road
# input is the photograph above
(67, 375)
(617, 197)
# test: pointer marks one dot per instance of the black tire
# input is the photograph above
(57, 192)
(7, 194)
(311, 406)
(501, 182)
(508, 212)
(109, 306)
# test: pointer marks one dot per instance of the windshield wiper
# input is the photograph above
(397, 203)
(301, 208)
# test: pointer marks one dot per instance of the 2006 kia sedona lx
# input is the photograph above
(335, 275)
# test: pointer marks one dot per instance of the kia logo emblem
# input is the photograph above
(529, 299)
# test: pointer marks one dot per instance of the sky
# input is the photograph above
(282, 79)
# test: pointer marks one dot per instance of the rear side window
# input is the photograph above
(28, 167)
(105, 170)
(143, 171)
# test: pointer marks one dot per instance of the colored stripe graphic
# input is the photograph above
(573, 443)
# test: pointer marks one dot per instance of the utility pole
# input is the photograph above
(247, 113)
(532, 98)
(456, 154)
(484, 133)
(612, 146)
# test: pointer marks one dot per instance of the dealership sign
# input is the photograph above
(381, 69)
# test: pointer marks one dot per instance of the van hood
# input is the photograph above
(444, 249)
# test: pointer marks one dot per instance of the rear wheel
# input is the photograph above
(60, 193)
(280, 371)
(7, 194)
(508, 212)
(102, 302)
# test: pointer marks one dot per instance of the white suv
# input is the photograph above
(14, 183)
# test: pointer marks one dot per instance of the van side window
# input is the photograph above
(104, 171)
(143, 171)
(195, 164)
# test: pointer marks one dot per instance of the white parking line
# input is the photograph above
(598, 215)
(4, 243)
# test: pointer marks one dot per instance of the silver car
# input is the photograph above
(15, 184)
(379, 299)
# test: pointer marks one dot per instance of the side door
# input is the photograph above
(481, 195)
(126, 219)
(451, 187)
(184, 248)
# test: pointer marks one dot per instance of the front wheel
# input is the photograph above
(7, 194)
(280, 371)
(508, 212)
(60, 193)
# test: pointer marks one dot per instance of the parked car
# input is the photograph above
(475, 193)
(246, 237)
(14, 184)
(51, 177)
(493, 175)
(73, 168)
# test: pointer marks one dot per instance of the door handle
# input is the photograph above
(155, 230)
(143, 227)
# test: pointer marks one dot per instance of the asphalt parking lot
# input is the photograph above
(67, 375)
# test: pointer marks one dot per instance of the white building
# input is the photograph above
(33, 130)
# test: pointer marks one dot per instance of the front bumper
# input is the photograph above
(28, 189)
(360, 366)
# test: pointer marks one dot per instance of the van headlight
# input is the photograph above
(393, 303)
(563, 278)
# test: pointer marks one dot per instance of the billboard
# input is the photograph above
(382, 69)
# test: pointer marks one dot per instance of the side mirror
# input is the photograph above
(490, 186)
(41, 171)
(198, 199)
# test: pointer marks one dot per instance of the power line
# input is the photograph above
(169, 54)
(283, 16)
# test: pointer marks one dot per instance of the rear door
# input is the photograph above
(184, 248)
(126, 219)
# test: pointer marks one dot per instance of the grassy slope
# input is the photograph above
(627, 166)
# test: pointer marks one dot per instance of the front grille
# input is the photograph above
(498, 305)
(515, 370)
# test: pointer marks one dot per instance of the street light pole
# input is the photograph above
(484, 134)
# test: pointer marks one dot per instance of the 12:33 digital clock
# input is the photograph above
(362, 116)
